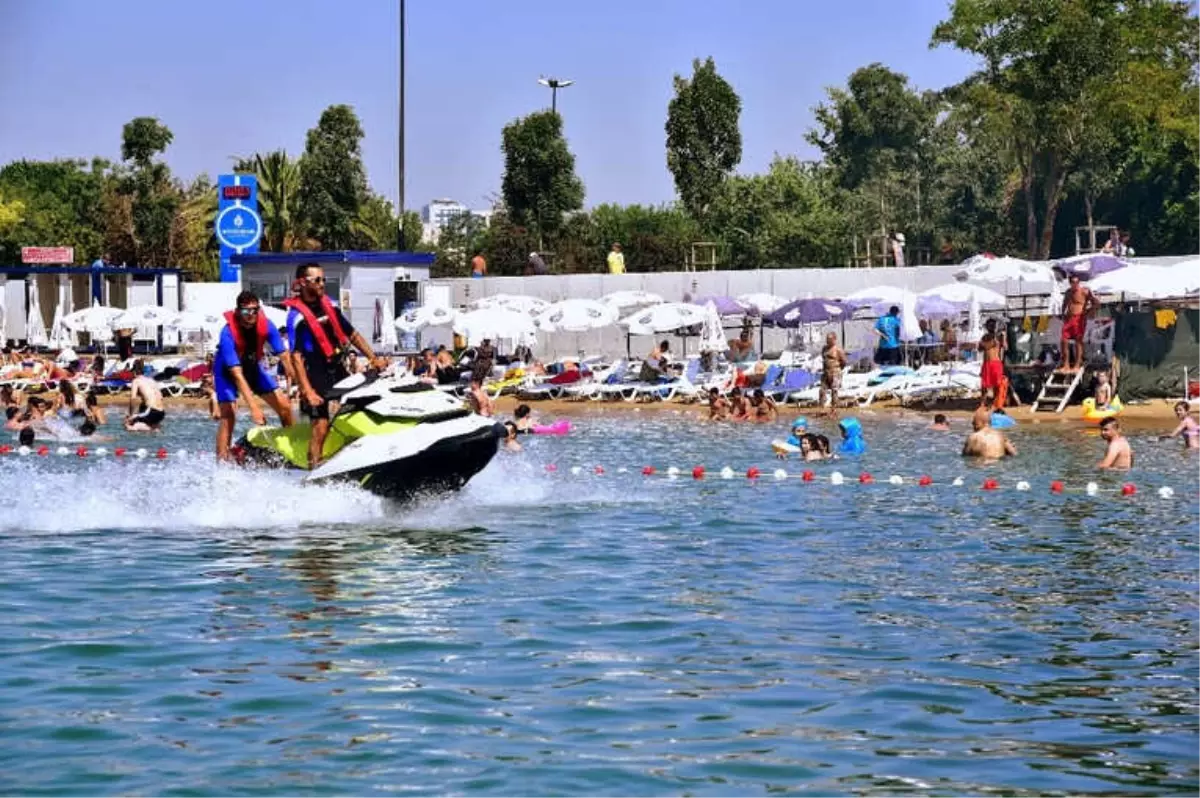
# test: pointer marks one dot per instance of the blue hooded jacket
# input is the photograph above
(852, 437)
(799, 428)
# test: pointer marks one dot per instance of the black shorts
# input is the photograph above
(888, 357)
(318, 413)
(151, 418)
(322, 376)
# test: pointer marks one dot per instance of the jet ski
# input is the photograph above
(395, 437)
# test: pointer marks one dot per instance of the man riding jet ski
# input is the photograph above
(394, 437)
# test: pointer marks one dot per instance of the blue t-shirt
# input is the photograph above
(890, 327)
(301, 337)
(227, 357)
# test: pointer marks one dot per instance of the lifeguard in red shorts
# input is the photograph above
(991, 377)
(1078, 304)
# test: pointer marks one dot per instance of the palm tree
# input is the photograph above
(278, 199)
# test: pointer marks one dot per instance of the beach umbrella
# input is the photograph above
(140, 316)
(498, 323)
(35, 327)
(622, 300)
(712, 336)
(60, 336)
(663, 318)
(937, 307)
(880, 298)
(425, 316)
(762, 304)
(964, 294)
(519, 302)
(92, 320)
(1140, 281)
(388, 339)
(807, 311)
(910, 325)
(982, 269)
(575, 315)
(196, 321)
(725, 305)
(1090, 266)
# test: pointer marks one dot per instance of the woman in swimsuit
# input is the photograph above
(1188, 428)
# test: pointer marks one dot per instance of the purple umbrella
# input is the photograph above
(807, 311)
(1088, 266)
(726, 305)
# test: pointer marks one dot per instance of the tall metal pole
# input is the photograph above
(400, 171)
(554, 98)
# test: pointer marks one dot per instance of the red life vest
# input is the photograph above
(239, 341)
(314, 326)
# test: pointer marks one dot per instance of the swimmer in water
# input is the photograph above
(811, 448)
(985, 442)
(764, 407)
(739, 408)
(523, 419)
(1119, 455)
(940, 423)
(718, 406)
(25, 437)
(150, 413)
(1188, 429)
(510, 438)
(478, 398)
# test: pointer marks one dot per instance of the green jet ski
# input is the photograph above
(398, 438)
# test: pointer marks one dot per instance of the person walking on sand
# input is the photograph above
(833, 360)
(1078, 304)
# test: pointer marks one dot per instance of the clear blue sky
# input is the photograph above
(72, 72)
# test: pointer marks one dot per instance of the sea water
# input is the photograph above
(173, 627)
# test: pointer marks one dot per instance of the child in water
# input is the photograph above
(1188, 429)
(1103, 395)
(852, 437)
(510, 437)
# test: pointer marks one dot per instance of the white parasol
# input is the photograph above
(964, 294)
(575, 315)
(35, 327)
(1151, 282)
(762, 304)
(499, 323)
(425, 316)
(518, 302)
(95, 319)
(712, 337)
(664, 318)
(623, 300)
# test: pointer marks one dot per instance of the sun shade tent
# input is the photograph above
(530, 305)
(575, 315)
(1151, 282)
(725, 305)
(1089, 267)
(807, 311)
(664, 318)
(495, 323)
(425, 316)
(623, 300)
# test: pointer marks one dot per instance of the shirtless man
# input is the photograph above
(940, 423)
(144, 394)
(985, 442)
(718, 406)
(1188, 429)
(1118, 455)
(478, 398)
(764, 406)
(739, 408)
(833, 360)
(1078, 304)
(991, 347)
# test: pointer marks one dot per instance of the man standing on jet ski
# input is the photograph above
(320, 335)
(238, 369)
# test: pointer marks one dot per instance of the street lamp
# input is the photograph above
(400, 170)
(554, 84)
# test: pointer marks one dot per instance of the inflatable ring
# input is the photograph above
(560, 427)
(1093, 415)
(783, 447)
(1002, 421)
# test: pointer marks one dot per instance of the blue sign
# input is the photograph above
(238, 226)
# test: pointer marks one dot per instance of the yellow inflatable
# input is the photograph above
(1094, 415)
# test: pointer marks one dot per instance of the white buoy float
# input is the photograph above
(1022, 485)
(896, 479)
(1092, 489)
(726, 473)
(780, 473)
(836, 478)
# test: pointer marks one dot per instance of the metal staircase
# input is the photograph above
(1059, 387)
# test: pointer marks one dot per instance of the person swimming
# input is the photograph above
(26, 437)
(510, 437)
(852, 437)
(522, 419)
(1188, 429)
(799, 429)
(940, 423)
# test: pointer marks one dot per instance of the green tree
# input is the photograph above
(412, 233)
(1056, 71)
(278, 179)
(377, 226)
(333, 181)
(193, 245)
(62, 206)
(704, 142)
(155, 197)
(11, 213)
(789, 217)
(539, 185)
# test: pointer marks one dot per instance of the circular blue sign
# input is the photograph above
(238, 227)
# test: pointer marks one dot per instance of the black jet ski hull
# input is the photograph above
(445, 466)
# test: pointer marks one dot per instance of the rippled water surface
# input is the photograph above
(174, 628)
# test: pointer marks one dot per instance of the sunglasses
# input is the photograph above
(248, 311)
(315, 280)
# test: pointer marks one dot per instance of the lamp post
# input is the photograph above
(554, 84)
(400, 171)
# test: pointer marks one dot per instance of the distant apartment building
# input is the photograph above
(439, 213)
